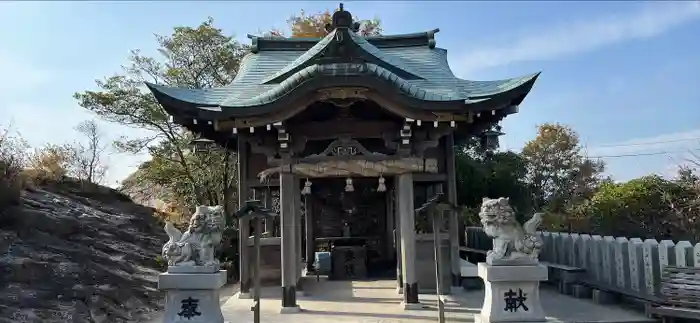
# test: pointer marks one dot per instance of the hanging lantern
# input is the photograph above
(348, 185)
(489, 139)
(201, 145)
(382, 186)
(307, 187)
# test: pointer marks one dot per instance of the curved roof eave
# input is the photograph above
(372, 70)
(305, 81)
(184, 94)
(511, 93)
(486, 89)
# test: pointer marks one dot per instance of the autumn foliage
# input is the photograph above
(306, 25)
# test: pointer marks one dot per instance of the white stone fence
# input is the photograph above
(629, 266)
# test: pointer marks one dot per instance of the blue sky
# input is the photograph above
(624, 75)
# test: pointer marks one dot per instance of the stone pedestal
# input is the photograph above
(512, 293)
(192, 297)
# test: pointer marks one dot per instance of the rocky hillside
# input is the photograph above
(67, 255)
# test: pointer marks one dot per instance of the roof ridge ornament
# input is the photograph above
(342, 19)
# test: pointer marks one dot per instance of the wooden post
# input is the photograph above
(256, 272)
(253, 209)
(390, 223)
(290, 261)
(397, 242)
(437, 223)
(244, 223)
(454, 217)
(408, 240)
(310, 238)
(298, 248)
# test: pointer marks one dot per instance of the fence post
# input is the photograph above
(573, 250)
(684, 254)
(667, 255)
(597, 257)
(556, 246)
(652, 269)
(636, 264)
(565, 247)
(546, 246)
(621, 262)
(608, 256)
(585, 248)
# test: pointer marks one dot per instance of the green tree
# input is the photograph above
(486, 173)
(199, 57)
(559, 174)
(646, 207)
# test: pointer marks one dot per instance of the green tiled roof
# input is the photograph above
(308, 58)
(416, 68)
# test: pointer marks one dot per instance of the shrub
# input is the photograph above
(12, 160)
(50, 164)
(11, 184)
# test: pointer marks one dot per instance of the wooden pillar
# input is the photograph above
(397, 240)
(408, 240)
(390, 224)
(453, 216)
(298, 248)
(310, 238)
(244, 224)
(288, 203)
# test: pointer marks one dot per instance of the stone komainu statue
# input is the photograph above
(513, 244)
(195, 248)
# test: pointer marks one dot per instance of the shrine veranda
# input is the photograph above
(345, 137)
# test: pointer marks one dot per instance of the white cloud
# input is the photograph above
(584, 35)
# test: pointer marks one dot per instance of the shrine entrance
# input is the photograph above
(318, 125)
(355, 218)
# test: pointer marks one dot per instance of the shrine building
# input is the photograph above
(345, 136)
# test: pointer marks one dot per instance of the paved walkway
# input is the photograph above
(378, 302)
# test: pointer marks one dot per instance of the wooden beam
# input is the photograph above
(429, 177)
(256, 183)
(333, 129)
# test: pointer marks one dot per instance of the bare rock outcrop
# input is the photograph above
(71, 256)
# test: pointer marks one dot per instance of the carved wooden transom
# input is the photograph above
(343, 147)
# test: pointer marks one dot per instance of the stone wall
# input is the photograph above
(630, 266)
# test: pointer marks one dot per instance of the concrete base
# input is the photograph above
(192, 298)
(604, 298)
(581, 291)
(193, 269)
(472, 283)
(241, 295)
(290, 310)
(468, 269)
(512, 293)
(411, 306)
